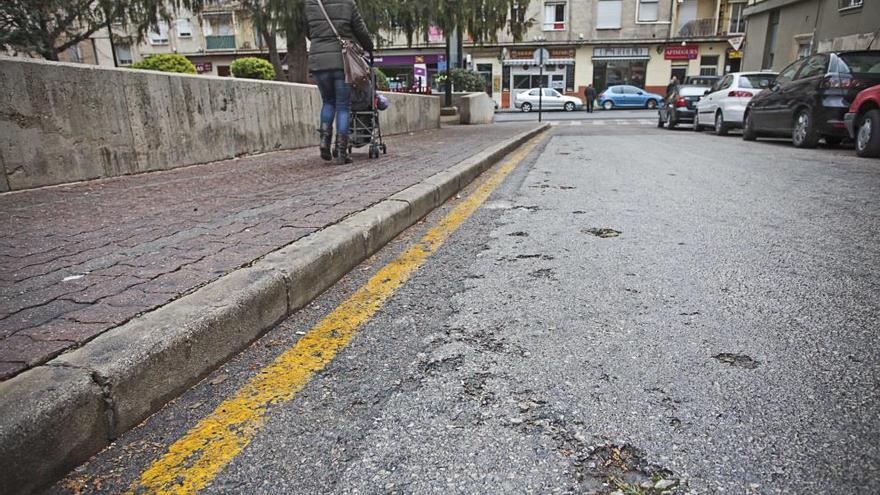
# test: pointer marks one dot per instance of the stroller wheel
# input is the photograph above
(384, 149)
(374, 151)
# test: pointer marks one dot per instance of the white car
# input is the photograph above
(552, 100)
(724, 103)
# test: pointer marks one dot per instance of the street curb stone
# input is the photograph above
(55, 416)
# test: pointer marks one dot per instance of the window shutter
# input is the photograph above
(609, 14)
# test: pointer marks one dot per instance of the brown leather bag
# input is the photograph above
(357, 71)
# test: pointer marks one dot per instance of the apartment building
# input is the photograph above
(603, 42)
(781, 31)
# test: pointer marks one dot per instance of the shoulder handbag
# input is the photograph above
(357, 71)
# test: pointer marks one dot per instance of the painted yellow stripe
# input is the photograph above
(196, 458)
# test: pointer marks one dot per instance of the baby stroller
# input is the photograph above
(365, 128)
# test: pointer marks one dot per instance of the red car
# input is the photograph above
(863, 122)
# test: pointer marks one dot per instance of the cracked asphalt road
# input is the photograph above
(724, 339)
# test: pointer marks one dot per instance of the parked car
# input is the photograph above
(680, 107)
(707, 81)
(863, 122)
(625, 95)
(809, 98)
(725, 102)
(552, 100)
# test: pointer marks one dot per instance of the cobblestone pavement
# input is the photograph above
(80, 259)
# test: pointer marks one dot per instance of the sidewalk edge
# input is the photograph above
(56, 416)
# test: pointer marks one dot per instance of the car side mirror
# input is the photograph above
(774, 87)
(641, 92)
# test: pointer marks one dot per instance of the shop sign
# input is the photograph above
(562, 53)
(521, 53)
(204, 67)
(733, 54)
(621, 52)
(405, 60)
(679, 52)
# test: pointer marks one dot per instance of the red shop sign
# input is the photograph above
(678, 52)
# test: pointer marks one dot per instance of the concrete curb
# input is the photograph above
(54, 417)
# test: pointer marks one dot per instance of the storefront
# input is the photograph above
(520, 72)
(620, 65)
(402, 70)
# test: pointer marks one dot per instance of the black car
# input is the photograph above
(810, 97)
(680, 106)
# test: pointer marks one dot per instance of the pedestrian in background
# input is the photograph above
(326, 66)
(671, 86)
(590, 97)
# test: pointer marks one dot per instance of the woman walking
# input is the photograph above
(325, 64)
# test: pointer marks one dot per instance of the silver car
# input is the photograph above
(724, 103)
(552, 100)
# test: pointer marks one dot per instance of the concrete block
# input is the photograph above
(381, 223)
(51, 419)
(153, 359)
(422, 197)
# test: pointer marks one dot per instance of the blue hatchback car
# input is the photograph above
(625, 95)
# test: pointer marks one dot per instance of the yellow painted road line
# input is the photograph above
(196, 458)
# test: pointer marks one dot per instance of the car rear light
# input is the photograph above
(739, 94)
(838, 82)
(681, 102)
(602, 94)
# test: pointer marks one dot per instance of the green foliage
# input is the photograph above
(467, 80)
(252, 68)
(382, 81)
(166, 62)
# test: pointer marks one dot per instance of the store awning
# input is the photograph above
(549, 61)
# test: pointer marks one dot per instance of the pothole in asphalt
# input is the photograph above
(737, 360)
(542, 273)
(534, 256)
(527, 208)
(518, 234)
(603, 232)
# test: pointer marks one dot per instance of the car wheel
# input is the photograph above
(526, 107)
(720, 125)
(749, 133)
(569, 107)
(608, 105)
(868, 135)
(697, 126)
(651, 104)
(804, 134)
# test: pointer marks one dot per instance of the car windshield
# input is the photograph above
(757, 81)
(692, 90)
(859, 63)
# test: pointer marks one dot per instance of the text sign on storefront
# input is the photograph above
(679, 52)
(621, 52)
(521, 53)
(205, 67)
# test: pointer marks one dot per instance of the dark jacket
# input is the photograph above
(324, 51)
(590, 93)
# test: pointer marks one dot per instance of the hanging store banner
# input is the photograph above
(679, 52)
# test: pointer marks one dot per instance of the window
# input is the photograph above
(805, 47)
(756, 81)
(849, 4)
(123, 54)
(554, 16)
(709, 65)
(535, 92)
(617, 90)
(815, 66)
(159, 33)
(609, 14)
(631, 90)
(788, 73)
(648, 10)
(184, 28)
(737, 20)
(551, 93)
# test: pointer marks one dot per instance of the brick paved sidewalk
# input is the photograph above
(78, 260)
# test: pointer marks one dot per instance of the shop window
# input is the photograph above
(505, 78)
(554, 16)
(158, 34)
(709, 65)
(737, 20)
(569, 78)
(648, 11)
(184, 28)
(123, 54)
(609, 14)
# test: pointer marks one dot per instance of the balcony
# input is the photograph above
(221, 42)
(698, 28)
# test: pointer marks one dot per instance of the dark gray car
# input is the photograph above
(680, 106)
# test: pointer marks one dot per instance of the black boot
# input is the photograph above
(342, 156)
(326, 131)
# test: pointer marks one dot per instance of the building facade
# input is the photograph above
(782, 31)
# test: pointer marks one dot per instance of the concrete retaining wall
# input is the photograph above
(68, 122)
(474, 108)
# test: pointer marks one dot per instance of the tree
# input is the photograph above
(49, 27)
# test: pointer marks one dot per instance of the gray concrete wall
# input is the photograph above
(474, 108)
(67, 122)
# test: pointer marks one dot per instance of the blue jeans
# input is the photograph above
(336, 94)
